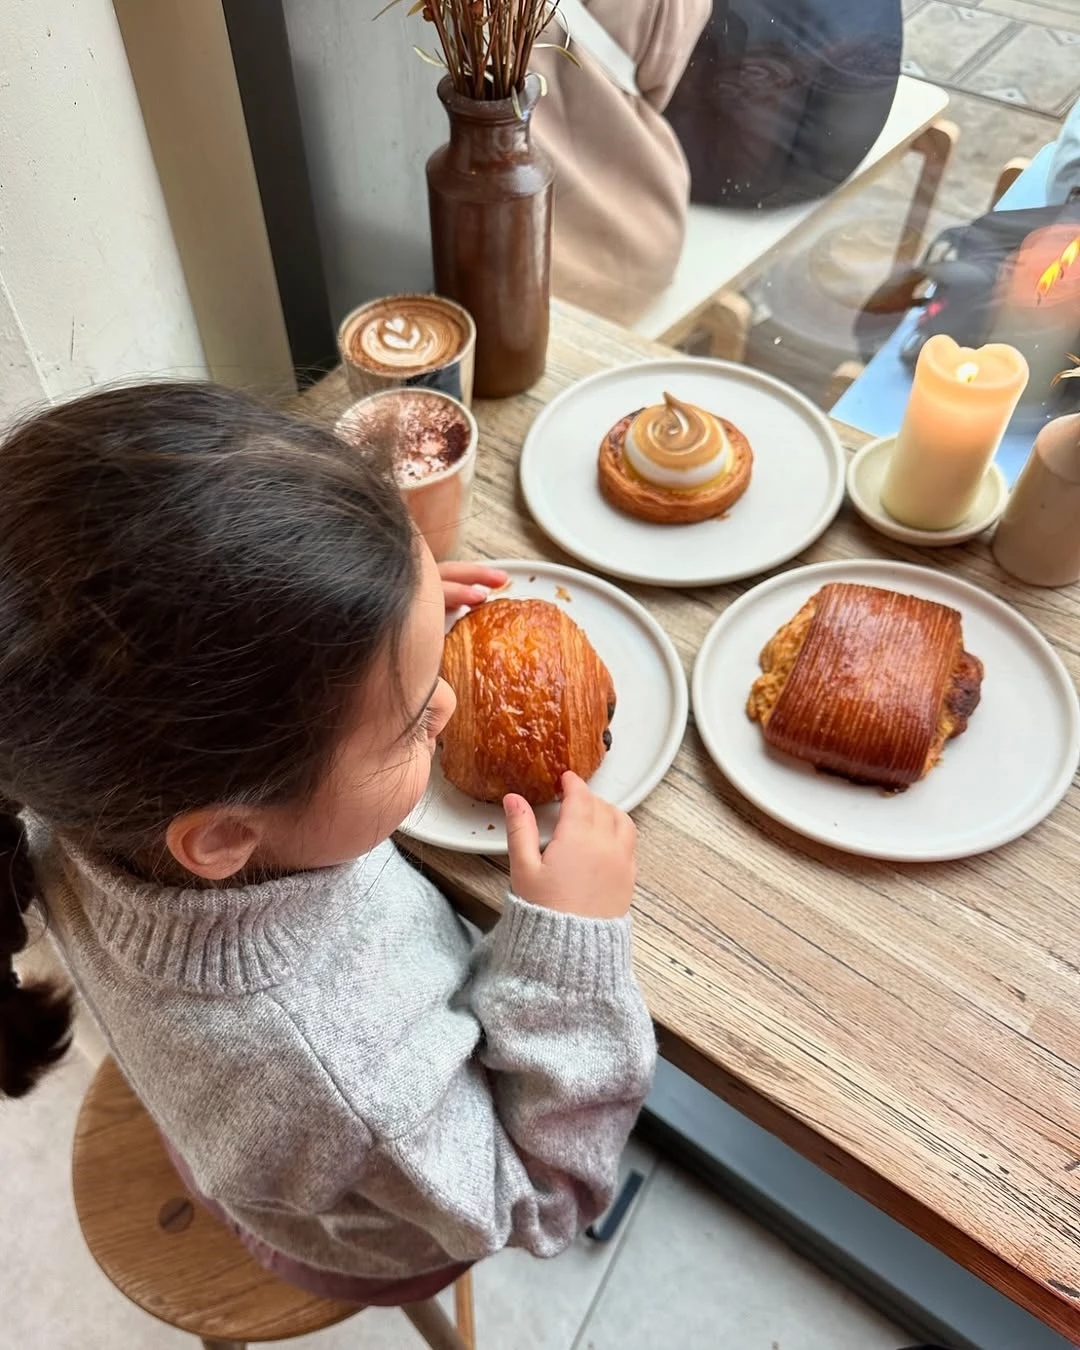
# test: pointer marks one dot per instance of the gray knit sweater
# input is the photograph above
(349, 1075)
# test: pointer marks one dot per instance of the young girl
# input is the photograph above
(219, 694)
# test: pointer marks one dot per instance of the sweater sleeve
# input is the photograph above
(524, 1148)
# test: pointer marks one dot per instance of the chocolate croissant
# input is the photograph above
(868, 684)
(534, 701)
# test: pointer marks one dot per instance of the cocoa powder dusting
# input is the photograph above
(431, 437)
(422, 434)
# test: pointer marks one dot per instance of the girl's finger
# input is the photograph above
(473, 574)
(522, 840)
(457, 594)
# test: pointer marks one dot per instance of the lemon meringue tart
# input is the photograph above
(674, 463)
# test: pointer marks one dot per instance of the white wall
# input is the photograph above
(371, 117)
(91, 287)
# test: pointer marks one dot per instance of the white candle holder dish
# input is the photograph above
(866, 476)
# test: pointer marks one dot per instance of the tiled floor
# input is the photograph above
(685, 1271)
(1015, 52)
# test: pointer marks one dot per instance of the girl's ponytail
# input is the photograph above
(35, 1018)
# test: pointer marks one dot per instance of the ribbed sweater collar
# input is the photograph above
(224, 942)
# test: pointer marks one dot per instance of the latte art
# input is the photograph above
(409, 339)
(677, 445)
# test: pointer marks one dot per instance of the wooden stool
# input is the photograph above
(165, 1252)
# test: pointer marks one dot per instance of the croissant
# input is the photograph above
(534, 701)
(868, 684)
(674, 464)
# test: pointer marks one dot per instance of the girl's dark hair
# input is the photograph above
(192, 588)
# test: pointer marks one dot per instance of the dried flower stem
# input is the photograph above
(486, 45)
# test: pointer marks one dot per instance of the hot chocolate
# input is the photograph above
(428, 441)
(415, 340)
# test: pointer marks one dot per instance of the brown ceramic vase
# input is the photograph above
(489, 194)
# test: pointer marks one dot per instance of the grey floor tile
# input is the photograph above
(1036, 68)
(376, 1329)
(940, 39)
(697, 1274)
(1054, 13)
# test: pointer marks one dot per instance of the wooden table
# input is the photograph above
(915, 1030)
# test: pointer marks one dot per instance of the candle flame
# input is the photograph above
(1057, 269)
(967, 372)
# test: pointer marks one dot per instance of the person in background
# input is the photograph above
(735, 103)
(622, 184)
(1063, 177)
(783, 98)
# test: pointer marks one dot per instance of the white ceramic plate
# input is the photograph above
(795, 490)
(994, 783)
(646, 731)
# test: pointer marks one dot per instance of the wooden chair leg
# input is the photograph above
(720, 330)
(935, 145)
(1007, 177)
(434, 1326)
(843, 377)
(464, 1313)
(727, 322)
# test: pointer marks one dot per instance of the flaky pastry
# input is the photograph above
(534, 701)
(868, 684)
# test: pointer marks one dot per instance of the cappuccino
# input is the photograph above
(419, 341)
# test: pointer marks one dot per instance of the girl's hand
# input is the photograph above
(468, 583)
(589, 868)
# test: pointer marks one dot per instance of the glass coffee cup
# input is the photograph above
(419, 341)
(428, 440)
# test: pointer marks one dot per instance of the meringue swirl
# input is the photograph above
(677, 445)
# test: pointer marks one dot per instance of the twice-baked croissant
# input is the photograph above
(534, 701)
(868, 684)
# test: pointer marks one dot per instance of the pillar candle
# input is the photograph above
(961, 401)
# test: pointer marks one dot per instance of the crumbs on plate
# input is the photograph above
(561, 593)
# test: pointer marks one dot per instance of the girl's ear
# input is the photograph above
(214, 842)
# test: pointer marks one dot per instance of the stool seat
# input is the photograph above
(159, 1246)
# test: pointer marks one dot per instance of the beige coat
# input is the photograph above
(622, 184)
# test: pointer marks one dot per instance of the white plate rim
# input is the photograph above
(679, 710)
(744, 374)
(850, 569)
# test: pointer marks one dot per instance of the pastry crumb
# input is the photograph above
(491, 827)
(561, 593)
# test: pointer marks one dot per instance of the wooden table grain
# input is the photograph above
(912, 1029)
